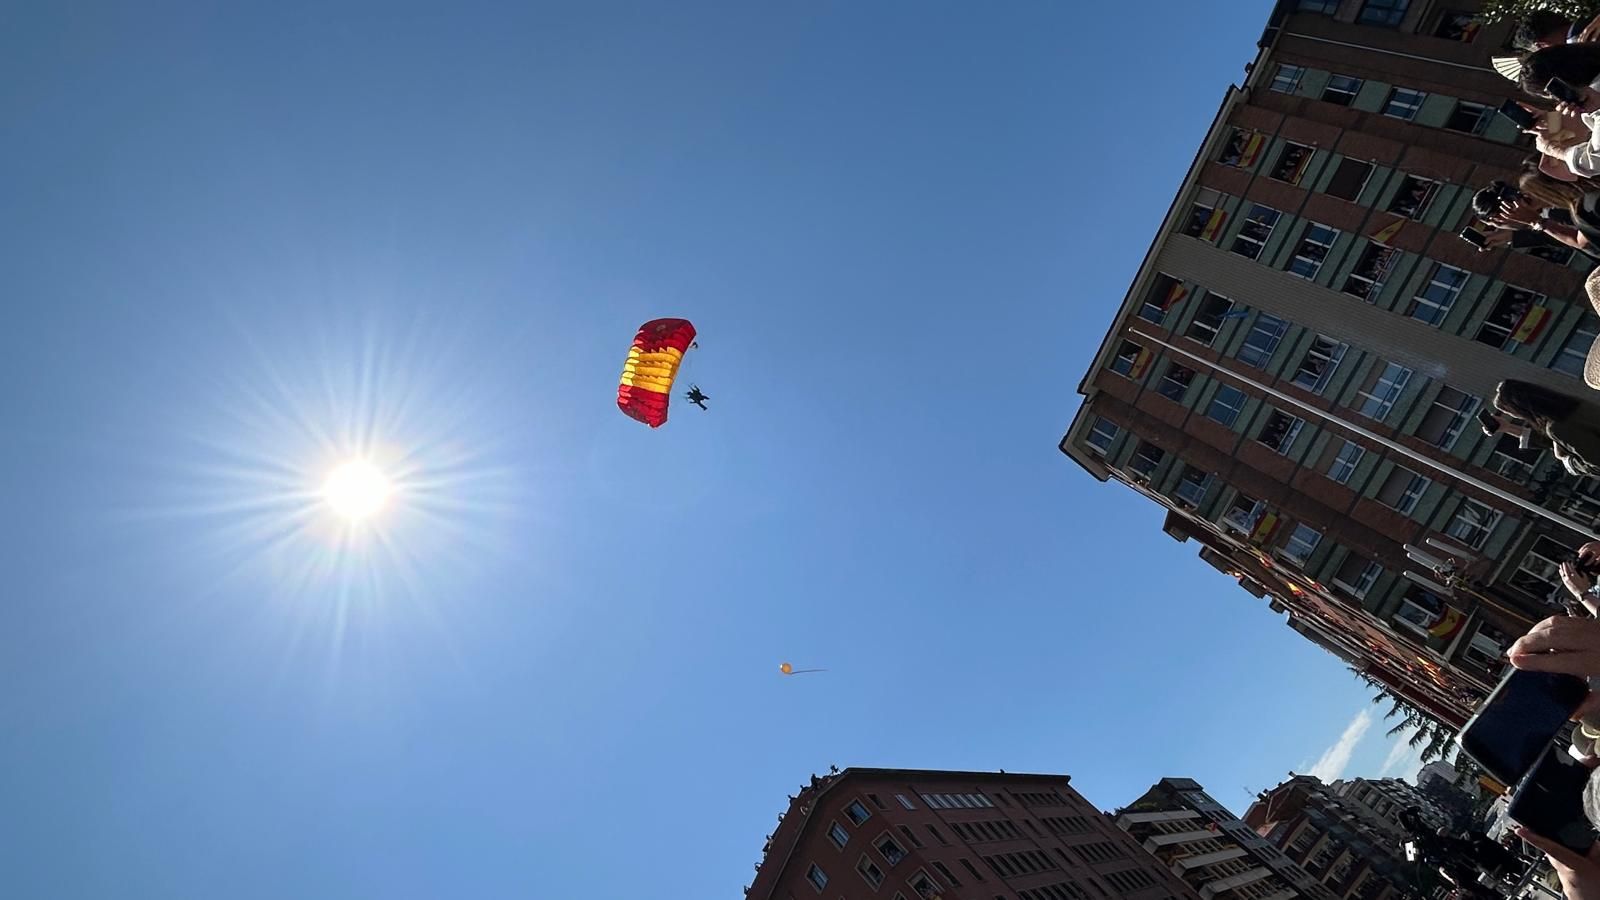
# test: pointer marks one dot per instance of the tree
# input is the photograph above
(1434, 737)
(1500, 10)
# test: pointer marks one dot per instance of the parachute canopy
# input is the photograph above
(651, 367)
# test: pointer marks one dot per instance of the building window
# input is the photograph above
(1226, 404)
(1357, 575)
(1457, 26)
(923, 886)
(943, 870)
(937, 836)
(1488, 647)
(1287, 78)
(1402, 489)
(1413, 197)
(1345, 460)
(1447, 417)
(1314, 246)
(1472, 523)
(1403, 103)
(856, 813)
(1175, 383)
(1165, 293)
(1318, 365)
(1511, 462)
(1262, 341)
(1205, 216)
(1292, 163)
(892, 852)
(1342, 89)
(1349, 179)
(1440, 293)
(838, 835)
(1539, 575)
(1383, 387)
(1145, 459)
(1131, 360)
(1243, 148)
(1554, 253)
(910, 836)
(971, 870)
(1208, 319)
(1192, 487)
(1303, 541)
(817, 877)
(1517, 318)
(1387, 13)
(1280, 431)
(1326, 7)
(1575, 350)
(1371, 271)
(1419, 611)
(870, 871)
(1469, 117)
(876, 801)
(1255, 231)
(1243, 515)
(906, 801)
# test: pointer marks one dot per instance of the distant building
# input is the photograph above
(909, 834)
(1348, 843)
(1438, 770)
(1211, 849)
(1382, 800)
(1295, 369)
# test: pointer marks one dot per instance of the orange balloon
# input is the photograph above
(786, 669)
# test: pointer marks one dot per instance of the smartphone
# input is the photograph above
(1562, 91)
(1519, 720)
(1475, 237)
(1518, 115)
(1550, 801)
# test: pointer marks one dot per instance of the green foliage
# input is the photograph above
(1500, 10)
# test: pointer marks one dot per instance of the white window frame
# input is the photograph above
(1569, 360)
(1286, 80)
(1374, 285)
(1181, 386)
(1439, 306)
(1199, 489)
(1135, 457)
(1298, 547)
(1293, 431)
(1509, 293)
(1370, 573)
(1216, 402)
(1386, 389)
(1428, 616)
(1288, 145)
(1092, 437)
(1341, 468)
(1353, 92)
(1484, 112)
(1118, 360)
(1305, 266)
(1331, 358)
(1460, 414)
(1473, 533)
(1272, 329)
(1269, 223)
(1205, 326)
(1409, 495)
(1410, 104)
(1422, 207)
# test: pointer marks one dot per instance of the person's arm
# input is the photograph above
(1556, 168)
(1579, 873)
(1589, 34)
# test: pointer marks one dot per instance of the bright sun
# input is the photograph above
(356, 490)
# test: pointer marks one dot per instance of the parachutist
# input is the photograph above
(696, 396)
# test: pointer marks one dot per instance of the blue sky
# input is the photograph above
(244, 242)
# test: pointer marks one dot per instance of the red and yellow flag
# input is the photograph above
(1213, 226)
(1386, 234)
(1265, 528)
(1448, 623)
(1140, 364)
(1175, 295)
(1533, 322)
(1252, 149)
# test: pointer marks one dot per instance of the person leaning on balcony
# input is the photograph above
(1571, 426)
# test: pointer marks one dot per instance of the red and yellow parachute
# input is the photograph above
(651, 367)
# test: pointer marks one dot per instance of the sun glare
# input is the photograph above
(356, 490)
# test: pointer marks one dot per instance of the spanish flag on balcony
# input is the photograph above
(1386, 234)
(1265, 528)
(1213, 226)
(1141, 364)
(1175, 295)
(1252, 149)
(1448, 623)
(1533, 322)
